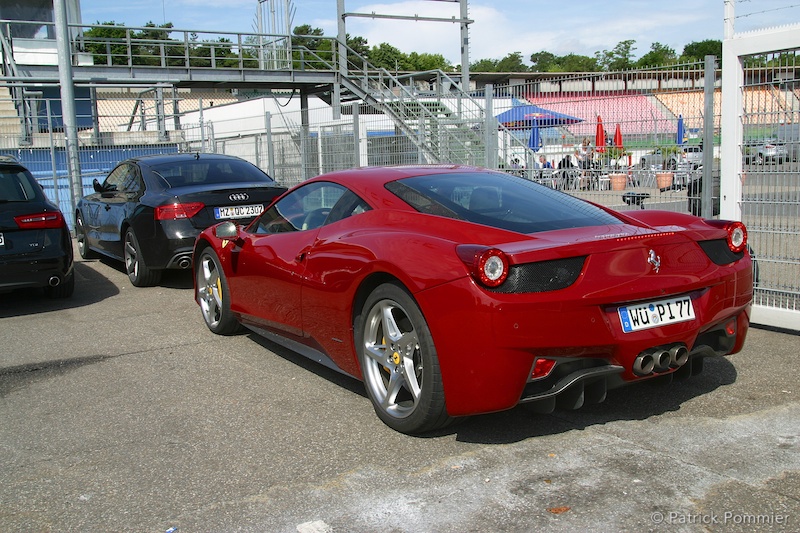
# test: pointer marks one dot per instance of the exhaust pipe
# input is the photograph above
(184, 263)
(662, 360)
(643, 364)
(54, 281)
(678, 355)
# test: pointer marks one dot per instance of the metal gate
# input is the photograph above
(761, 158)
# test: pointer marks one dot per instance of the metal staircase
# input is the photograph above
(444, 123)
(447, 126)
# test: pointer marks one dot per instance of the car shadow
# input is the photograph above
(334, 376)
(90, 287)
(634, 402)
(638, 401)
(170, 279)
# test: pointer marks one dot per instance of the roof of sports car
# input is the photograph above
(373, 175)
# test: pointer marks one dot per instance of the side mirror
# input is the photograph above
(97, 186)
(226, 230)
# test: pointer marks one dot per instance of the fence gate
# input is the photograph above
(761, 163)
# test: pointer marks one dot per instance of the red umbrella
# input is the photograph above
(600, 137)
(618, 137)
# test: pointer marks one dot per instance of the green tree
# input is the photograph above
(484, 65)
(358, 45)
(659, 54)
(543, 61)
(423, 62)
(619, 58)
(387, 56)
(307, 36)
(512, 63)
(223, 52)
(698, 50)
(154, 42)
(107, 41)
(576, 63)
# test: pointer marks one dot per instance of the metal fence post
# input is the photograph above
(707, 194)
(68, 101)
(270, 147)
(491, 127)
(356, 135)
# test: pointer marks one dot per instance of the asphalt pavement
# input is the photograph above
(120, 411)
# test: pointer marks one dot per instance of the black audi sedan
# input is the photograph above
(149, 209)
(35, 243)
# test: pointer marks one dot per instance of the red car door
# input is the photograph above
(268, 277)
(269, 266)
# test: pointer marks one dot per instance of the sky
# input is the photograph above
(500, 27)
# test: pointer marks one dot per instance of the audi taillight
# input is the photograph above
(489, 266)
(178, 211)
(46, 220)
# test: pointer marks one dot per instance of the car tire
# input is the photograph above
(82, 240)
(399, 362)
(213, 294)
(139, 273)
(63, 289)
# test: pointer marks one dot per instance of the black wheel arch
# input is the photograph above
(369, 284)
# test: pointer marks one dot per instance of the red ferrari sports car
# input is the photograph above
(453, 291)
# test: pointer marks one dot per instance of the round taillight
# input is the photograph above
(737, 237)
(492, 268)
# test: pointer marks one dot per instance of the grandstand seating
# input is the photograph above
(115, 108)
(635, 113)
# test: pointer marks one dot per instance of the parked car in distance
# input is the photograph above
(452, 291)
(766, 151)
(149, 210)
(691, 155)
(35, 243)
(789, 136)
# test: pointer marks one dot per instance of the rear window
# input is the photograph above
(16, 185)
(498, 200)
(205, 171)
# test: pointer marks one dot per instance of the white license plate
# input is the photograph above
(238, 211)
(655, 314)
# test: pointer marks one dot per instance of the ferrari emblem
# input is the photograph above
(654, 260)
(396, 358)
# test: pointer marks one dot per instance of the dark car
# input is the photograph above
(35, 243)
(150, 209)
(453, 291)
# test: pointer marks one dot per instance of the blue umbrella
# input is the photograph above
(535, 140)
(527, 116)
(679, 136)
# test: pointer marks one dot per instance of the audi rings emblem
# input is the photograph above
(238, 197)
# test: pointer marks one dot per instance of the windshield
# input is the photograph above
(209, 171)
(498, 200)
(16, 186)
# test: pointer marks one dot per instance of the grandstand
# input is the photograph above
(635, 113)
